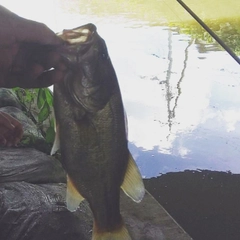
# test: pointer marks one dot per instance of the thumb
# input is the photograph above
(31, 31)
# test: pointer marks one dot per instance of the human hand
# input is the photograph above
(28, 53)
(11, 130)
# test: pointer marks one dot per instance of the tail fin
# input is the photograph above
(119, 234)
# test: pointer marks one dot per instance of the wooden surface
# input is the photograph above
(149, 221)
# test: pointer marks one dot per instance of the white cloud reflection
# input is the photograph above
(232, 118)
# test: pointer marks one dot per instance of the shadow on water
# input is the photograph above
(205, 203)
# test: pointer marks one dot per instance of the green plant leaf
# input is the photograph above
(50, 134)
(41, 98)
(44, 112)
(41, 102)
(49, 97)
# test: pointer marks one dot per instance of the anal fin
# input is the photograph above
(73, 197)
(133, 184)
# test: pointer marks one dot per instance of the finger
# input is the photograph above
(5, 135)
(5, 121)
(50, 77)
(50, 59)
(10, 138)
(2, 140)
(28, 68)
(8, 144)
(47, 58)
(14, 122)
(34, 80)
(18, 133)
(31, 31)
(16, 141)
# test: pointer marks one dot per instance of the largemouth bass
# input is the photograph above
(91, 134)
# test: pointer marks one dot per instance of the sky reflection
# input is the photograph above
(180, 103)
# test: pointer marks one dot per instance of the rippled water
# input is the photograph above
(180, 89)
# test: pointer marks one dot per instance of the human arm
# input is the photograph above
(29, 58)
(29, 55)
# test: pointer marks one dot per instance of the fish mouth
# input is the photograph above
(79, 35)
(77, 42)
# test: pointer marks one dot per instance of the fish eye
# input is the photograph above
(104, 56)
(104, 53)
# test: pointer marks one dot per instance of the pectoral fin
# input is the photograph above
(56, 144)
(133, 184)
(73, 196)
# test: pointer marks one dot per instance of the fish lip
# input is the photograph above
(84, 46)
(78, 38)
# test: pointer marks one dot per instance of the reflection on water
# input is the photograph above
(189, 109)
(227, 29)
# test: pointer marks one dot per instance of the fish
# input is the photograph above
(91, 133)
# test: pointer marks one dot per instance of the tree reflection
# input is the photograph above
(227, 29)
(170, 95)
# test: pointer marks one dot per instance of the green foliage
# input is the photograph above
(154, 12)
(38, 105)
(227, 30)
(50, 133)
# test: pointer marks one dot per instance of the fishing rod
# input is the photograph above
(215, 36)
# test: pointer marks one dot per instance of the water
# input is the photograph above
(181, 94)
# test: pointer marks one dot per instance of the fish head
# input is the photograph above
(91, 79)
